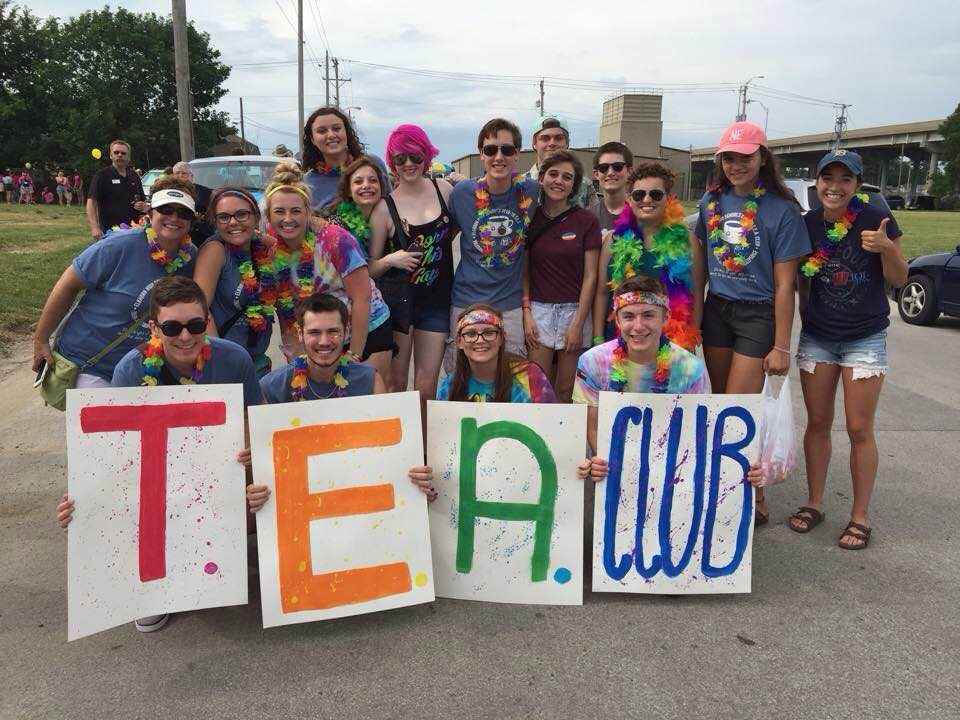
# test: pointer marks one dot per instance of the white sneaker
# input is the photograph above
(151, 623)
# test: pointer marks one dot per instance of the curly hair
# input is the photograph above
(654, 170)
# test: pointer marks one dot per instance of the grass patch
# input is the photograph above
(36, 244)
(928, 232)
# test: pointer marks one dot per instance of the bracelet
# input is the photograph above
(777, 347)
(598, 340)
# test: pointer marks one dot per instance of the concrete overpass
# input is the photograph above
(919, 141)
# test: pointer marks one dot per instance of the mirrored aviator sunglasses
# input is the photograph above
(172, 328)
(655, 195)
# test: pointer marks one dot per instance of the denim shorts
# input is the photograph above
(867, 356)
(553, 320)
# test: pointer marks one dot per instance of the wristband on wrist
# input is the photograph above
(784, 351)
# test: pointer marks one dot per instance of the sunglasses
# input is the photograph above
(403, 158)
(472, 336)
(172, 328)
(655, 195)
(602, 168)
(505, 150)
(241, 216)
(178, 210)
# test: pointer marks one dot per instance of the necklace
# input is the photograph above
(621, 362)
(670, 248)
(835, 235)
(732, 256)
(153, 362)
(288, 290)
(352, 217)
(258, 279)
(488, 242)
(162, 257)
(300, 381)
(325, 168)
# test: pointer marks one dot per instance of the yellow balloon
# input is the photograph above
(96, 153)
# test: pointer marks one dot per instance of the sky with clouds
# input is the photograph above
(891, 61)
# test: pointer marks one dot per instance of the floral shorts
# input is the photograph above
(867, 356)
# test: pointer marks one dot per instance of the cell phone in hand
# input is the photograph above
(41, 373)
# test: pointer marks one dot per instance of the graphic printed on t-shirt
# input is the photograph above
(845, 278)
(499, 230)
(733, 234)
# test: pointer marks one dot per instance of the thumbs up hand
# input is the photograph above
(877, 241)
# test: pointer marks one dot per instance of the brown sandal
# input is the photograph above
(858, 532)
(811, 516)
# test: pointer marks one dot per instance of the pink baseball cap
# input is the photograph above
(742, 137)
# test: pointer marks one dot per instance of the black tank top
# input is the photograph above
(432, 281)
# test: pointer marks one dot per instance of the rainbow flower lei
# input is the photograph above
(288, 291)
(732, 258)
(162, 257)
(259, 294)
(325, 168)
(661, 374)
(835, 236)
(351, 216)
(487, 241)
(153, 362)
(299, 382)
(670, 248)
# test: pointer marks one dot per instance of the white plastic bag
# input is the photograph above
(778, 436)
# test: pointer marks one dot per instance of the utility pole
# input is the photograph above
(336, 81)
(541, 97)
(326, 79)
(243, 132)
(840, 126)
(181, 64)
(742, 110)
(300, 75)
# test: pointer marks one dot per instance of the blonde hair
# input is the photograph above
(287, 177)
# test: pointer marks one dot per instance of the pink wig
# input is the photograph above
(410, 139)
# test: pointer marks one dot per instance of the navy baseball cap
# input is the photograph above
(848, 158)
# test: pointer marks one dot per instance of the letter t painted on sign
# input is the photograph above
(152, 422)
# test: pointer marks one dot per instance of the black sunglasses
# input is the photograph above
(655, 195)
(505, 150)
(615, 166)
(172, 328)
(178, 210)
(402, 158)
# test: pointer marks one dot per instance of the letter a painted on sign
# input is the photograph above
(472, 439)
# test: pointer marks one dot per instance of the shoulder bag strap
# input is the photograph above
(124, 334)
(398, 231)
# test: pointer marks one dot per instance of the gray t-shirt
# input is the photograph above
(779, 234)
(118, 274)
(229, 364)
(494, 277)
(599, 209)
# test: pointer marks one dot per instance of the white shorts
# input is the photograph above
(86, 380)
(512, 329)
(552, 321)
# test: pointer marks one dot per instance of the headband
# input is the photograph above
(295, 188)
(242, 194)
(635, 297)
(478, 317)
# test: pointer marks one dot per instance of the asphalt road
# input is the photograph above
(826, 633)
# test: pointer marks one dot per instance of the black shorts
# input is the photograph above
(745, 326)
(379, 340)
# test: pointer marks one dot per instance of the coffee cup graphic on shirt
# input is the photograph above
(732, 233)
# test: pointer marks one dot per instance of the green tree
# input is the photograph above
(69, 86)
(950, 129)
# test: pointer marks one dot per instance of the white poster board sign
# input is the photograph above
(160, 522)
(344, 531)
(508, 523)
(675, 515)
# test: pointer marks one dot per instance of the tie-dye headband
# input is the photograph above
(637, 297)
(479, 317)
